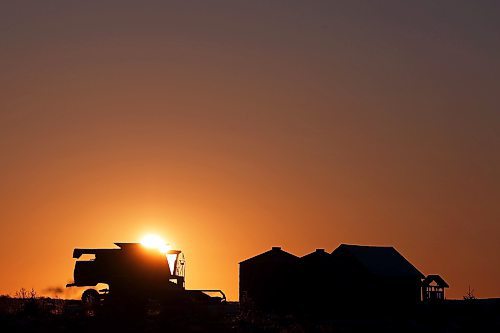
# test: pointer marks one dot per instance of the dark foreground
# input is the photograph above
(54, 315)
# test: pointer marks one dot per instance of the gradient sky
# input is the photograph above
(229, 127)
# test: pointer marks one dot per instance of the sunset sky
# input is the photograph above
(229, 127)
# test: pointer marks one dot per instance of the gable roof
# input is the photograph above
(435, 278)
(379, 260)
(317, 255)
(276, 254)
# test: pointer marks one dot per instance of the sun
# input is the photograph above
(152, 241)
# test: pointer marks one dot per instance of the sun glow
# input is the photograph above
(152, 241)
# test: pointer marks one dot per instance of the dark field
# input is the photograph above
(56, 315)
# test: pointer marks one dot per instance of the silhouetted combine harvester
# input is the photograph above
(135, 275)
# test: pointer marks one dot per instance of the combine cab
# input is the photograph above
(136, 274)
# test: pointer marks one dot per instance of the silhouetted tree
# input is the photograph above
(470, 295)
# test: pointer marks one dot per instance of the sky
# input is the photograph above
(229, 127)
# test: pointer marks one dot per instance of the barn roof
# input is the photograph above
(318, 254)
(276, 254)
(380, 260)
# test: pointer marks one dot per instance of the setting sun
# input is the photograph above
(153, 241)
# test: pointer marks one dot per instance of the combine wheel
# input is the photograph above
(91, 298)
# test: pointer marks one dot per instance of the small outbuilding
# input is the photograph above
(433, 288)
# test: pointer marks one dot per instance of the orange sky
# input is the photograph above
(230, 128)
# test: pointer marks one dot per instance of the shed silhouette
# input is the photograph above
(433, 287)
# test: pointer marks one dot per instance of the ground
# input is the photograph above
(55, 315)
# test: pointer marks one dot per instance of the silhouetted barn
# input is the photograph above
(316, 279)
(270, 281)
(375, 275)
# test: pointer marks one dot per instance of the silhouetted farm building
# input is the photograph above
(376, 275)
(267, 281)
(433, 288)
(351, 275)
(316, 271)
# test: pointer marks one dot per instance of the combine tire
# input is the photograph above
(91, 298)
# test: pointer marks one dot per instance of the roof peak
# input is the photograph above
(275, 250)
(435, 278)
